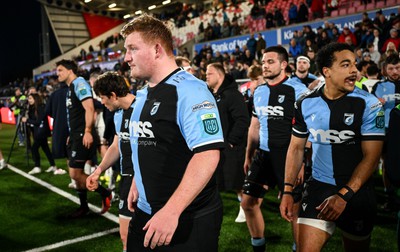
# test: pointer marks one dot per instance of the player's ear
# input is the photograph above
(326, 71)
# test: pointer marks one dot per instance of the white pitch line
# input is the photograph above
(57, 190)
(72, 241)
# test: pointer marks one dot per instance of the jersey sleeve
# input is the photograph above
(373, 126)
(198, 117)
(299, 126)
(82, 89)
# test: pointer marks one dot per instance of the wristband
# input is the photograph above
(287, 192)
(289, 184)
(348, 195)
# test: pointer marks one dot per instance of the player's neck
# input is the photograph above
(332, 93)
(126, 102)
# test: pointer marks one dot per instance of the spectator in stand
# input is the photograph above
(361, 75)
(308, 33)
(367, 35)
(358, 52)
(389, 51)
(196, 58)
(237, 53)
(239, 71)
(225, 29)
(302, 14)
(358, 32)
(373, 76)
(394, 38)
(335, 34)
(279, 20)
(261, 44)
(269, 18)
(216, 30)
(252, 45)
(317, 9)
(294, 49)
(300, 39)
(235, 29)
(313, 66)
(384, 25)
(375, 55)
(345, 33)
(217, 57)
(310, 46)
(376, 20)
(332, 5)
(292, 13)
(247, 58)
(323, 40)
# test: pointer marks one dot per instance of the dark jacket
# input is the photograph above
(233, 112)
(38, 121)
(56, 108)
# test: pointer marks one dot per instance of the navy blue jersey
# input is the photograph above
(121, 120)
(306, 81)
(172, 121)
(79, 90)
(390, 92)
(336, 129)
(273, 106)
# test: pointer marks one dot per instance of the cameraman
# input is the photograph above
(18, 106)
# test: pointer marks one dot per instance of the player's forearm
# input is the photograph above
(110, 157)
(89, 119)
(253, 140)
(198, 173)
(293, 165)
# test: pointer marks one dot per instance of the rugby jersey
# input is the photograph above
(336, 128)
(172, 121)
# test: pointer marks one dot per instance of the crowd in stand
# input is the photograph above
(373, 41)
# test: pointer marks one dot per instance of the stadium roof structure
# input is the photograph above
(117, 8)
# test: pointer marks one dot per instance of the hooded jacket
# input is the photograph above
(233, 112)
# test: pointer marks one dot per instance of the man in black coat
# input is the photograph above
(235, 123)
(56, 108)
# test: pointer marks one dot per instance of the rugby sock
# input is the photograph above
(258, 244)
(103, 191)
(82, 193)
(294, 247)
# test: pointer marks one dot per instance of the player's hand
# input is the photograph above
(87, 140)
(92, 182)
(246, 166)
(132, 197)
(331, 208)
(160, 229)
(286, 207)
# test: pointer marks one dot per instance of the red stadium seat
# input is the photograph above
(334, 13)
(361, 8)
(370, 6)
(351, 10)
(380, 5)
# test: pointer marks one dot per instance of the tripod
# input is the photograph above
(20, 125)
